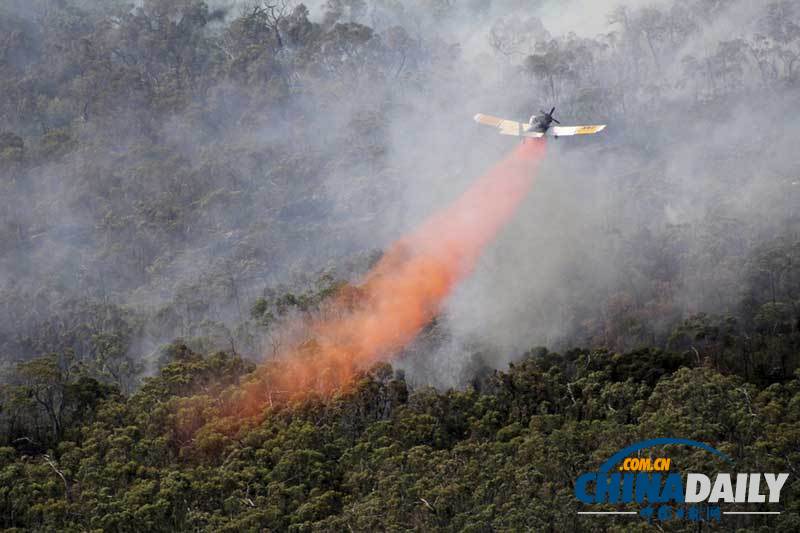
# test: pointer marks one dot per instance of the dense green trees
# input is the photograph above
(382, 456)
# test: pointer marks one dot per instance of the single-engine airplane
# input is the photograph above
(537, 126)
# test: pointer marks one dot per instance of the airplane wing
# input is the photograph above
(565, 131)
(507, 127)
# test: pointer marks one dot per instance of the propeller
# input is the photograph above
(550, 114)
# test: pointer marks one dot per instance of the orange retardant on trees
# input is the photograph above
(403, 292)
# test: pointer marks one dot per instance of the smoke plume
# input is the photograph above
(403, 292)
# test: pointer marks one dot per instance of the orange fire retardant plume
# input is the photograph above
(404, 291)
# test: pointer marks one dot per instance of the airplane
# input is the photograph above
(538, 126)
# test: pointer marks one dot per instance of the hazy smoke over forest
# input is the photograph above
(212, 179)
